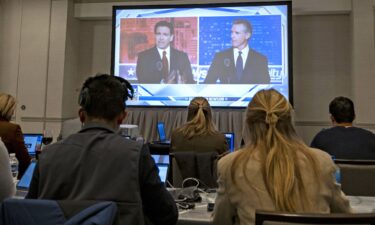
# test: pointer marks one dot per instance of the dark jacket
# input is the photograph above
(149, 66)
(12, 136)
(224, 69)
(98, 164)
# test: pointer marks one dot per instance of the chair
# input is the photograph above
(47, 212)
(335, 218)
(202, 166)
(357, 176)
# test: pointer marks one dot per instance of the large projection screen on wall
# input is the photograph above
(199, 54)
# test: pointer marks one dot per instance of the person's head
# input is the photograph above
(163, 31)
(274, 141)
(241, 33)
(342, 110)
(199, 121)
(7, 106)
(102, 98)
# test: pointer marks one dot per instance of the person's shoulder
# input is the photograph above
(146, 52)
(257, 54)
(225, 52)
(227, 160)
(364, 131)
(324, 159)
(178, 53)
(7, 125)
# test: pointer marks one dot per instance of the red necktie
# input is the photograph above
(165, 65)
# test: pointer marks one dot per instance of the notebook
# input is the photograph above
(162, 135)
(162, 162)
(230, 140)
(33, 142)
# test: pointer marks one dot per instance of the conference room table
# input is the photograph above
(200, 216)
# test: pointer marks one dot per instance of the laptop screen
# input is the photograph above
(162, 162)
(33, 142)
(25, 181)
(163, 171)
(161, 132)
(230, 141)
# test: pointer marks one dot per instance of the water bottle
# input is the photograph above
(13, 161)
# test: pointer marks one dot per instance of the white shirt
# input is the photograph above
(168, 55)
(245, 53)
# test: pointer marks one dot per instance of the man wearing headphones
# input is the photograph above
(98, 164)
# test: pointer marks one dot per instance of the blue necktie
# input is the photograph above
(239, 66)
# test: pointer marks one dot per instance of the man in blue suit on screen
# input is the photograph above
(239, 64)
(163, 63)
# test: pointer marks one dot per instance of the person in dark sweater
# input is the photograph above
(343, 140)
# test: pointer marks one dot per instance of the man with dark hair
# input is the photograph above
(98, 164)
(343, 140)
(239, 64)
(163, 63)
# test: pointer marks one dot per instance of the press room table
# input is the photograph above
(200, 216)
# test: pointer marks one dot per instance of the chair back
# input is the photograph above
(47, 212)
(202, 166)
(357, 177)
(262, 217)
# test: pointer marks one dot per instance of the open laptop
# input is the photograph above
(24, 183)
(230, 140)
(162, 135)
(162, 162)
(33, 142)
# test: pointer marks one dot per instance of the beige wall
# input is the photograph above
(48, 47)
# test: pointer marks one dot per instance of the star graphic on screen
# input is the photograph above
(131, 71)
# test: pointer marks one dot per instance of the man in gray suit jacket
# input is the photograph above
(239, 64)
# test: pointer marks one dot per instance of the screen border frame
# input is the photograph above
(208, 5)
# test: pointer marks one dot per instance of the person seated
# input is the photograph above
(343, 140)
(11, 133)
(98, 164)
(198, 134)
(7, 187)
(275, 171)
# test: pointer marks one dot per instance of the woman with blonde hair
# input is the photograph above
(276, 170)
(11, 133)
(198, 134)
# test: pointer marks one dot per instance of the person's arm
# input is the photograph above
(34, 184)
(213, 71)
(339, 202)
(158, 205)
(21, 152)
(186, 72)
(224, 211)
(140, 69)
(7, 187)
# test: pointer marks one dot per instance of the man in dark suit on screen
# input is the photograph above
(239, 64)
(163, 63)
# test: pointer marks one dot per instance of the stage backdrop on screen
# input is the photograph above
(202, 58)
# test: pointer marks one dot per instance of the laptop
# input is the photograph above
(33, 142)
(24, 183)
(162, 162)
(230, 140)
(162, 135)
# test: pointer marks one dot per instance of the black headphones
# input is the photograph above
(84, 99)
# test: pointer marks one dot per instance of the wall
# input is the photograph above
(48, 47)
